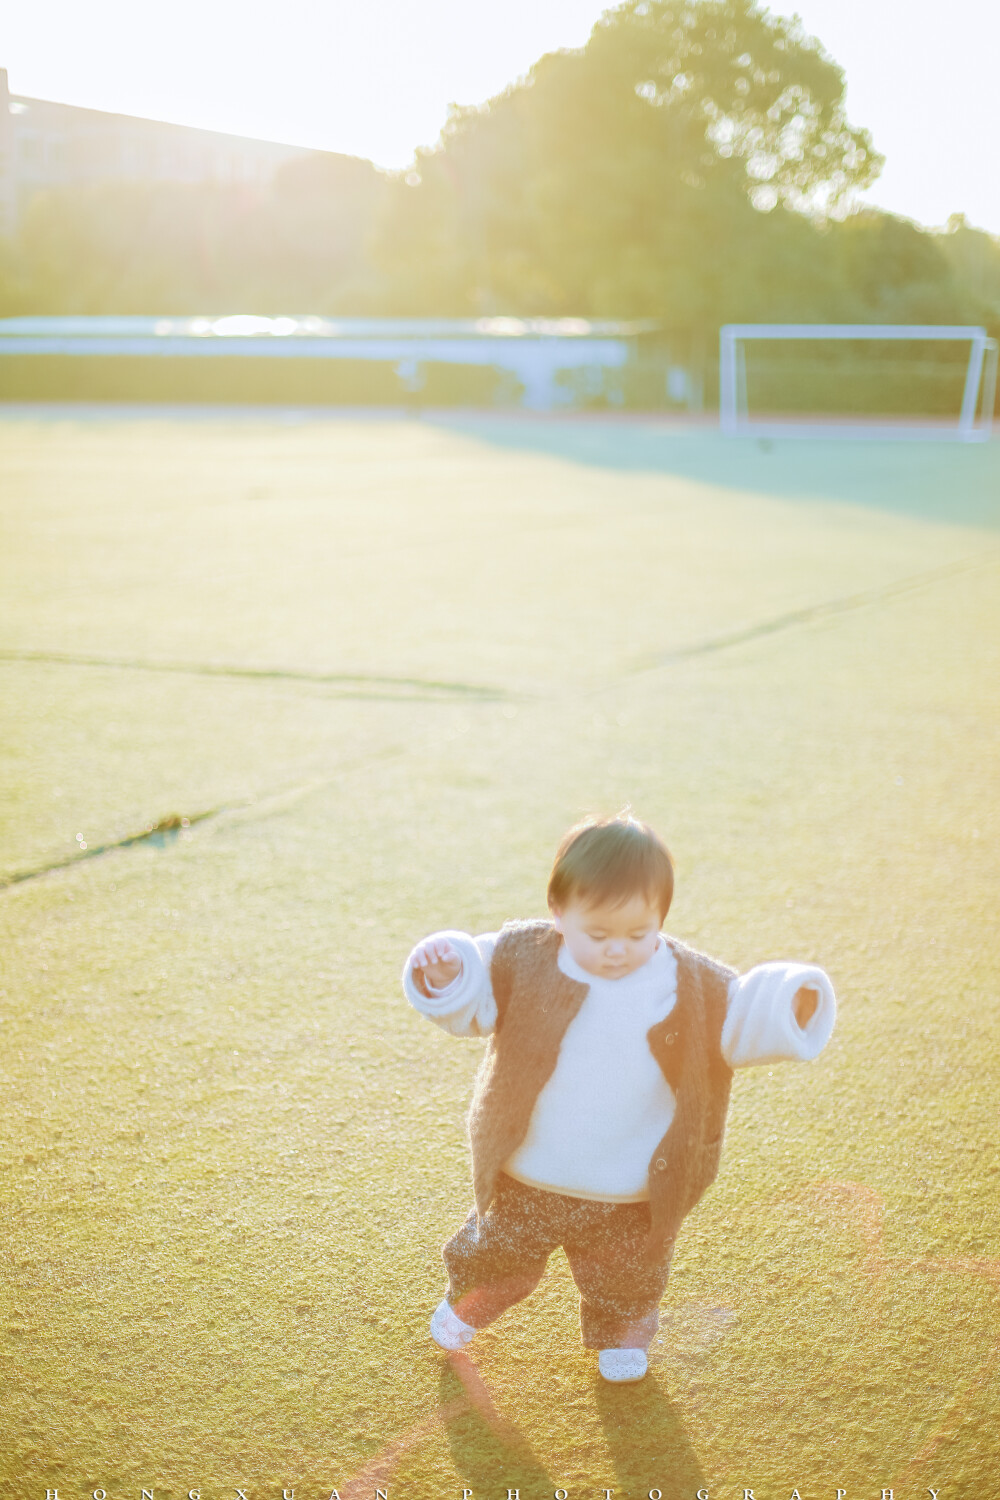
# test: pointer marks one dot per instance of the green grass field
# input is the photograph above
(378, 665)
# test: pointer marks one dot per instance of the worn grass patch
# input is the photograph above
(393, 660)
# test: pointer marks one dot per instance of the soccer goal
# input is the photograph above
(857, 380)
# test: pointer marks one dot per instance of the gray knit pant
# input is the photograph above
(494, 1261)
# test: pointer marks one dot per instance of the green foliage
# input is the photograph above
(177, 247)
(623, 178)
(974, 258)
(14, 290)
(688, 164)
(692, 163)
(727, 81)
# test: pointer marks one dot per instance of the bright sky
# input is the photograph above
(375, 79)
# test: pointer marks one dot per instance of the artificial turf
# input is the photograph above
(390, 661)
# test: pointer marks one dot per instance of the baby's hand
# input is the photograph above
(437, 962)
(804, 1004)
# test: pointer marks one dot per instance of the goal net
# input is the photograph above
(863, 380)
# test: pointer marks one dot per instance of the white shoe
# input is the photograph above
(447, 1328)
(622, 1365)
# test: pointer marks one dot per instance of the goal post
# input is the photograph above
(974, 419)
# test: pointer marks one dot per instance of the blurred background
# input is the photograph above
(663, 167)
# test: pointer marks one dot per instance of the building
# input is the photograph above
(47, 145)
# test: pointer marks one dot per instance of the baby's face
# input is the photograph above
(610, 941)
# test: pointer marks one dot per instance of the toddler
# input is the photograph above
(599, 1107)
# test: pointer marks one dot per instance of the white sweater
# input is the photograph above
(607, 1105)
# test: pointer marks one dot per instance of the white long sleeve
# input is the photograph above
(465, 1007)
(760, 1025)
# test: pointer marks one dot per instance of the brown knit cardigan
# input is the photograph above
(536, 1002)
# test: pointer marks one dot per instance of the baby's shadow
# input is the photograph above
(486, 1449)
(649, 1447)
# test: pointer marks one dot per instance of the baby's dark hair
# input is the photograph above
(608, 860)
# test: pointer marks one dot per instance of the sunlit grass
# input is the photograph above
(232, 1153)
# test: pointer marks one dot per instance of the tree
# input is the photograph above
(622, 178)
(740, 84)
(974, 257)
(896, 272)
(145, 247)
